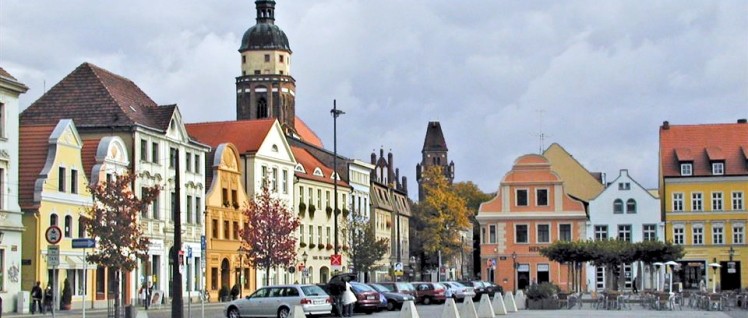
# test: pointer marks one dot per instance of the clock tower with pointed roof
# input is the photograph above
(434, 153)
(266, 88)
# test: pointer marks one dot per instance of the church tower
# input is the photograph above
(434, 153)
(266, 89)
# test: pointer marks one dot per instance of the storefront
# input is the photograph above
(690, 274)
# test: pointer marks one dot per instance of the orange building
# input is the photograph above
(531, 209)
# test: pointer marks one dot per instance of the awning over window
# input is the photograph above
(75, 262)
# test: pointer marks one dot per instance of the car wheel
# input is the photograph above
(369, 311)
(426, 300)
(233, 313)
(283, 312)
(391, 305)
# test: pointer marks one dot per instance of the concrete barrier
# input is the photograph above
(520, 300)
(498, 305)
(484, 307)
(511, 306)
(409, 310)
(449, 310)
(297, 312)
(467, 310)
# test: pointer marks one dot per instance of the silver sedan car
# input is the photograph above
(277, 301)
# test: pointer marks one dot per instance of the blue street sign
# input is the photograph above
(202, 242)
(84, 243)
(189, 251)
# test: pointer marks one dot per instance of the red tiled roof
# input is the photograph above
(88, 156)
(246, 135)
(94, 97)
(34, 141)
(683, 154)
(310, 163)
(730, 140)
(306, 133)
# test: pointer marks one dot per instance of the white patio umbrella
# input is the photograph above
(714, 267)
(658, 265)
(670, 265)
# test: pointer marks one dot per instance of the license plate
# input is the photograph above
(369, 297)
(319, 301)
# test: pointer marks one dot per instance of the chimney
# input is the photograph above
(742, 121)
(665, 125)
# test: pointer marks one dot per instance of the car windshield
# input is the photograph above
(379, 288)
(313, 290)
(405, 286)
(438, 286)
(361, 287)
(456, 284)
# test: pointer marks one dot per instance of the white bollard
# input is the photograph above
(511, 306)
(409, 310)
(520, 300)
(498, 305)
(484, 307)
(450, 309)
(467, 310)
(297, 312)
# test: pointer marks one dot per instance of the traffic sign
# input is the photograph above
(336, 260)
(53, 255)
(202, 242)
(53, 234)
(84, 243)
(189, 251)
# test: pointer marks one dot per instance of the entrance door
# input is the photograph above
(730, 275)
(523, 276)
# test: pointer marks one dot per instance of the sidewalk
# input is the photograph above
(142, 313)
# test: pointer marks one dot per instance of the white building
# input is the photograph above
(10, 213)
(627, 211)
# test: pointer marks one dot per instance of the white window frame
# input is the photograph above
(547, 196)
(697, 231)
(717, 201)
(600, 229)
(686, 169)
(649, 232)
(679, 234)
(571, 231)
(492, 234)
(537, 232)
(718, 168)
(697, 201)
(718, 233)
(678, 201)
(738, 233)
(626, 230)
(737, 201)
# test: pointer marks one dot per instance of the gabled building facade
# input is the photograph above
(626, 211)
(225, 201)
(103, 104)
(703, 187)
(531, 210)
(11, 225)
(265, 159)
(53, 193)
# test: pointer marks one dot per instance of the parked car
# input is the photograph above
(478, 287)
(492, 289)
(367, 299)
(394, 300)
(428, 293)
(400, 287)
(277, 301)
(458, 291)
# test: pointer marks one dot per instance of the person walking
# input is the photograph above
(48, 298)
(349, 298)
(36, 298)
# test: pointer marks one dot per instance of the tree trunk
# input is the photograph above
(267, 275)
(117, 288)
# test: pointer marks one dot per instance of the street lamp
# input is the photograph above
(514, 265)
(412, 263)
(303, 272)
(241, 251)
(335, 113)
(731, 251)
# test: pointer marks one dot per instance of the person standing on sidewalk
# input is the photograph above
(349, 298)
(36, 298)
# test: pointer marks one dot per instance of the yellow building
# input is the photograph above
(224, 202)
(703, 183)
(53, 192)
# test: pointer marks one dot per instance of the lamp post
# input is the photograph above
(714, 265)
(731, 251)
(412, 263)
(670, 265)
(335, 113)
(514, 266)
(241, 271)
(303, 272)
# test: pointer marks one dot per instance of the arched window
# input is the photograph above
(630, 206)
(53, 219)
(262, 108)
(618, 206)
(68, 226)
(81, 227)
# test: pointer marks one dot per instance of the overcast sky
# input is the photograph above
(597, 77)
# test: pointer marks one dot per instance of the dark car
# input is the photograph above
(400, 287)
(492, 289)
(428, 293)
(367, 299)
(478, 287)
(395, 300)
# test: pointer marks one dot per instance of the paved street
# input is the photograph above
(215, 310)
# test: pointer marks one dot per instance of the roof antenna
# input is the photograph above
(541, 135)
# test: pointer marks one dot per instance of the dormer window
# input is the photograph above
(624, 186)
(718, 168)
(686, 169)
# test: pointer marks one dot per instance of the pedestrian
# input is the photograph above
(48, 298)
(141, 294)
(349, 298)
(148, 292)
(36, 298)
